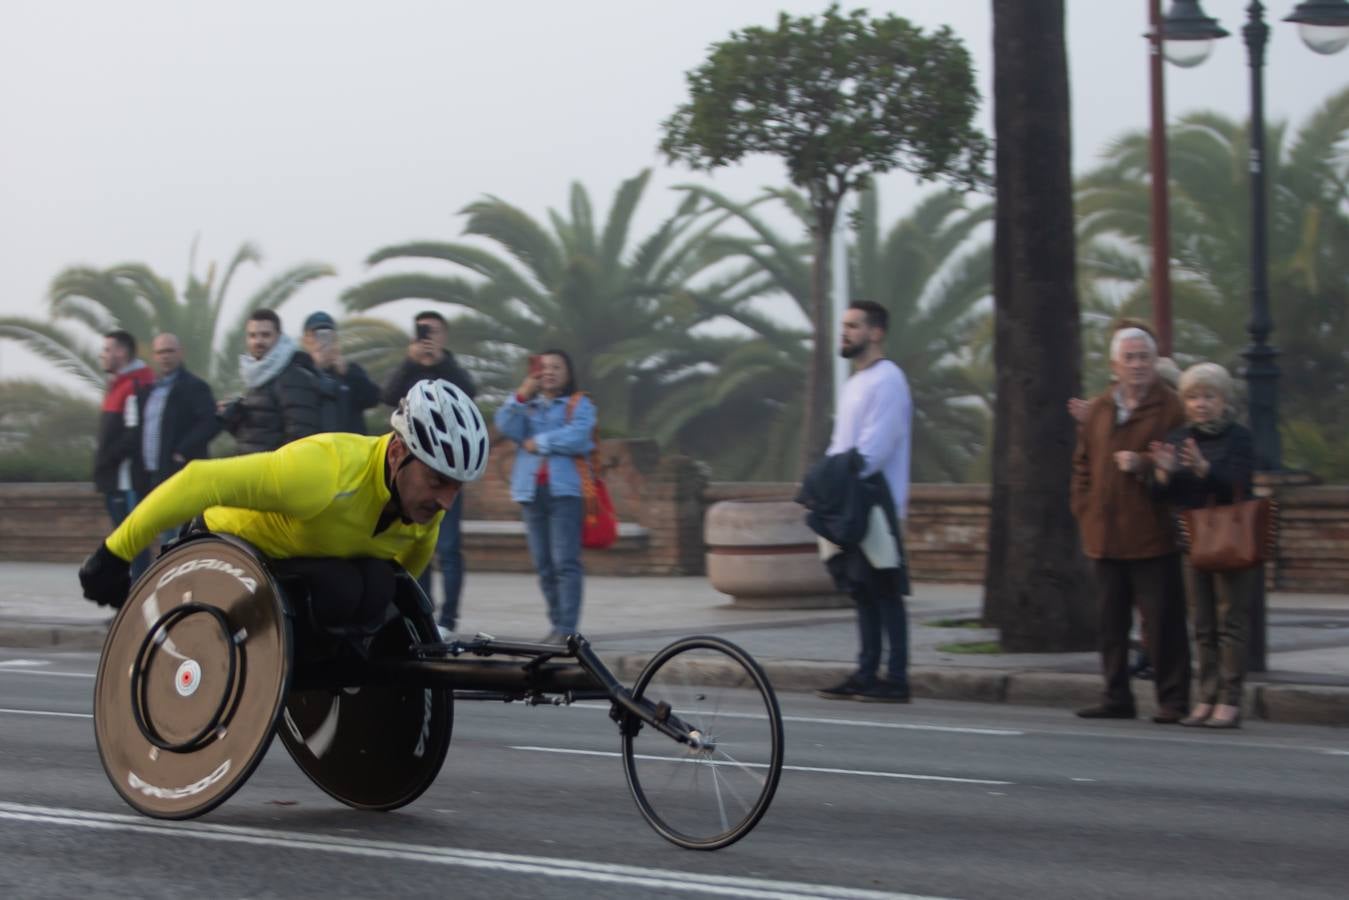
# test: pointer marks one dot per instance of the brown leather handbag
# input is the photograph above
(1232, 537)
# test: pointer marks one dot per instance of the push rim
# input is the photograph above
(712, 793)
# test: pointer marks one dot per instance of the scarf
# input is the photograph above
(257, 372)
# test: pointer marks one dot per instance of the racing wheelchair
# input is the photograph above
(200, 669)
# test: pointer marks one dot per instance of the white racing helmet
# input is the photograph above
(443, 428)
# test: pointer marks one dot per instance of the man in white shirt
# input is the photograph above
(874, 417)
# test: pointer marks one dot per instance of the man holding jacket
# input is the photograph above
(870, 444)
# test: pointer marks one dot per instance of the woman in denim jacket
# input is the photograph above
(550, 438)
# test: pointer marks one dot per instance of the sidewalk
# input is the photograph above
(627, 619)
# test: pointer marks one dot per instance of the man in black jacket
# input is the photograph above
(281, 389)
(177, 416)
(428, 358)
(345, 390)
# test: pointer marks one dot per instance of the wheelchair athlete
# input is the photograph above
(330, 510)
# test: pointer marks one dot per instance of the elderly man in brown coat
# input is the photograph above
(1128, 534)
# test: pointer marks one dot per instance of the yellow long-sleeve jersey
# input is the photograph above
(315, 497)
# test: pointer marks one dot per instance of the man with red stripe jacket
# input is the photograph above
(119, 428)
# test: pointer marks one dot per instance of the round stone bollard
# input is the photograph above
(763, 555)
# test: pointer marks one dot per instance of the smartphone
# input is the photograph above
(535, 364)
(423, 331)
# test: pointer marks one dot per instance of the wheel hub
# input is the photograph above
(188, 678)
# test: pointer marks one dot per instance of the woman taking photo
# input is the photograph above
(1209, 460)
(551, 424)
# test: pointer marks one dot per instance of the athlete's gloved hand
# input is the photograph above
(106, 578)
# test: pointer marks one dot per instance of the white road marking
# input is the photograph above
(909, 726)
(856, 723)
(816, 769)
(44, 712)
(604, 873)
(45, 674)
(24, 663)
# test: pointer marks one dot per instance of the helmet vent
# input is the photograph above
(423, 439)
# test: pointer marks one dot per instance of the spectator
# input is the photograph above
(1128, 533)
(281, 392)
(118, 425)
(1210, 460)
(874, 418)
(345, 390)
(1169, 372)
(179, 416)
(552, 425)
(427, 357)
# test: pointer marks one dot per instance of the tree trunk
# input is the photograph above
(1036, 585)
(820, 379)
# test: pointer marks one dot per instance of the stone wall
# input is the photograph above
(661, 503)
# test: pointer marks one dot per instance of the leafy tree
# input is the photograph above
(839, 98)
(1035, 582)
(617, 311)
(133, 297)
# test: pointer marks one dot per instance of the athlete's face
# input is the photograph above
(422, 490)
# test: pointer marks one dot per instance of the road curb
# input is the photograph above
(52, 636)
(1303, 704)
(1291, 704)
(1298, 704)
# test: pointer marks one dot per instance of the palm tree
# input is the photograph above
(133, 297)
(922, 270)
(578, 286)
(1308, 178)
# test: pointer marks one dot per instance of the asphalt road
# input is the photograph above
(953, 800)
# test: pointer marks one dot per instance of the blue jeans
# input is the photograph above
(120, 504)
(553, 525)
(880, 610)
(450, 555)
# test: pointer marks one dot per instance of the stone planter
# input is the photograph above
(763, 555)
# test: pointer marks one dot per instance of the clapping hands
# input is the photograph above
(1170, 459)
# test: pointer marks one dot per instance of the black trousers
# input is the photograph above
(1156, 588)
(347, 597)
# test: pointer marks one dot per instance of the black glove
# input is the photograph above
(106, 578)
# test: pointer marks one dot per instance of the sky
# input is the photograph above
(322, 131)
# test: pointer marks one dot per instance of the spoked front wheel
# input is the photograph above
(712, 791)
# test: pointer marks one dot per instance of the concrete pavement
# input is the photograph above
(629, 618)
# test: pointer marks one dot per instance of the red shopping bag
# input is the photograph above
(599, 523)
(599, 530)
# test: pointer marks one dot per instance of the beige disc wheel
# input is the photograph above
(192, 678)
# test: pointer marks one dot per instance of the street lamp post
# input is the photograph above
(1188, 35)
(1161, 213)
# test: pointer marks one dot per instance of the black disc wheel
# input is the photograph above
(711, 790)
(378, 746)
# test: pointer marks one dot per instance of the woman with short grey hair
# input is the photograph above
(1210, 460)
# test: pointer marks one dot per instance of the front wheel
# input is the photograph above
(710, 792)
